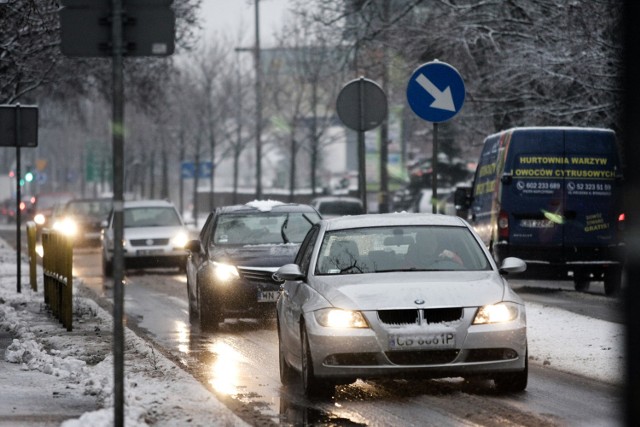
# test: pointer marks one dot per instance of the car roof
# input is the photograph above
(392, 219)
(147, 203)
(337, 199)
(258, 206)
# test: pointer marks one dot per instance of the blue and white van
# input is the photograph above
(552, 196)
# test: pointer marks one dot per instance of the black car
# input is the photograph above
(230, 266)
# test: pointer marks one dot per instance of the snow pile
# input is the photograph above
(157, 392)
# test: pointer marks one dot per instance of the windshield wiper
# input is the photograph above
(282, 233)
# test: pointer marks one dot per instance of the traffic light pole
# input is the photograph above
(117, 133)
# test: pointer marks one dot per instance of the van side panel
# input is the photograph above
(484, 192)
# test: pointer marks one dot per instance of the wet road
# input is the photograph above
(240, 365)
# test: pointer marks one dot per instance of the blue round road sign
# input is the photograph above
(435, 92)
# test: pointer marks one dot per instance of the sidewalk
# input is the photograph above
(52, 377)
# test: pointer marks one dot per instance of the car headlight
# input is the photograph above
(66, 226)
(39, 219)
(180, 240)
(497, 313)
(225, 272)
(336, 318)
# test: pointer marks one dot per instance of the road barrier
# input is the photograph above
(33, 257)
(57, 263)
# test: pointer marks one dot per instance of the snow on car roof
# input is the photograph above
(264, 205)
(398, 218)
(146, 203)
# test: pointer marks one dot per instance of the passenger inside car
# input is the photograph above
(428, 250)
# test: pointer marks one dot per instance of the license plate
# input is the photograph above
(150, 252)
(536, 223)
(427, 341)
(268, 296)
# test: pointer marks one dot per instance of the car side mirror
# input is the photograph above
(194, 246)
(506, 178)
(512, 265)
(289, 272)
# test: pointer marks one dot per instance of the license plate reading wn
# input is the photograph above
(429, 341)
(268, 296)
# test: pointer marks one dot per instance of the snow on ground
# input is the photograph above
(157, 392)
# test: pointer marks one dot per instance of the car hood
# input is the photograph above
(402, 290)
(257, 255)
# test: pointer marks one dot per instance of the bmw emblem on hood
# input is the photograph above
(419, 301)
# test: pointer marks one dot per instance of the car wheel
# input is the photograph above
(311, 385)
(193, 314)
(581, 281)
(107, 268)
(287, 374)
(612, 281)
(210, 313)
(513, 382)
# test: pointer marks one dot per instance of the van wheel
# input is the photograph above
(581, 281)
(612, 281)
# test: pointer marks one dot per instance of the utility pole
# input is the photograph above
(258, 103)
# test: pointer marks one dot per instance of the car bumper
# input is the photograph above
(365, 353)
(254, 293)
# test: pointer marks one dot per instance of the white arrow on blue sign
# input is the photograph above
(436, 91)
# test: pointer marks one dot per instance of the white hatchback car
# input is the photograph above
(399, 295)
(154, 237)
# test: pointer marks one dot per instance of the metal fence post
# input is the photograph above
(33, 259)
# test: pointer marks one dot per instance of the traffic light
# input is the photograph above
(28, 177)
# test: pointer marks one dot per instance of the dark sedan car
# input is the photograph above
(230, 266)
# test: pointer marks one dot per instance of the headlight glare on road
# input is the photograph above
(336, 318)
(225, 272)
(496, 313)
(180, 240)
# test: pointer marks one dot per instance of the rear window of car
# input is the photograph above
(263, 228)
(151, 217)
(400, 248)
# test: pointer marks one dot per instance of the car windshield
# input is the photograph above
(89, 208)
(400, 248)
(263, 228)
(340, 207)
(151, 217)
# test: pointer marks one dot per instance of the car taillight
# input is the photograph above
(621, 219)
(503, 225)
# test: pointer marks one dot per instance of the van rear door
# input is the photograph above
(533, 194)
(590, 197)
(562, 194)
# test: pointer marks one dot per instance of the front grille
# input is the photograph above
(257, 276)
(149, 242)
(398, 317)
(439, 315)
(422, 357)
(416, 317)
